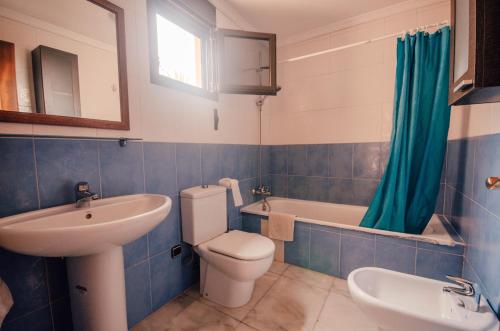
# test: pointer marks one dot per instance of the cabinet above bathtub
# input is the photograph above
(474, 52)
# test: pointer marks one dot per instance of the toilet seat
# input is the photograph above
(242, 245)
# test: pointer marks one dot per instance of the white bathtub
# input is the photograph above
(347, 217)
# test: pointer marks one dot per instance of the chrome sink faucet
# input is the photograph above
(83, 196)
(265, 192)
(469, 290)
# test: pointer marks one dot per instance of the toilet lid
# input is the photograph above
(242, 245)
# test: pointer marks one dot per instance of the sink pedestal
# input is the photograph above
(97, 291)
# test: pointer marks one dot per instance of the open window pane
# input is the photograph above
(179, 53)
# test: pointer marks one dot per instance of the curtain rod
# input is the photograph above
(359, 43)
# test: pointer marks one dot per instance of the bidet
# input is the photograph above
(398, 301)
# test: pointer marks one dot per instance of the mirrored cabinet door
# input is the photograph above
(247, 62)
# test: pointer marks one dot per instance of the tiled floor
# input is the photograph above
(286, 298)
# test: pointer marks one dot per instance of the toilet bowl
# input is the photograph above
(230, 264)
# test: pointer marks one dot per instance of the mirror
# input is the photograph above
(69, 63)
(247, 62)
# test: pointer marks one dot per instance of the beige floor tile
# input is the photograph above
(198, 316)
(309, 277)
(340, 313)
(262, 286)
(278, 267)
(340, 287)
(289, 305)
(244, 327)
(161, 318)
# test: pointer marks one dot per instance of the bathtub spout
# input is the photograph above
(266, 206)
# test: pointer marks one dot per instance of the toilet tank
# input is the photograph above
(204, 213)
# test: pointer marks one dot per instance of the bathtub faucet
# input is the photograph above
(265, 192)
(468, 289)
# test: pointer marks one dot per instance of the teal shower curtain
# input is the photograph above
(406, 196)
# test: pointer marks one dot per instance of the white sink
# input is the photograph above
(92, 239)
(70, 231)
(398, 301)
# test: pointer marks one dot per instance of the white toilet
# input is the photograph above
(230, 262)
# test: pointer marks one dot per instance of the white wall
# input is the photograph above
(347, 96)
(161, 114)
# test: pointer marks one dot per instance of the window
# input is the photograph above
(181, 50)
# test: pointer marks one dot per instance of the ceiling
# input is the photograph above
(288, 17)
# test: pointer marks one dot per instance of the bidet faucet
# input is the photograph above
(83, 196)
(468, 289)
(265, 192)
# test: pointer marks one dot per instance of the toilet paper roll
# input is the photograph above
(232, 184)
(6, 301)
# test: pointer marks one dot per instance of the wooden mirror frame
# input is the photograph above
(247, 89)
(124, 124)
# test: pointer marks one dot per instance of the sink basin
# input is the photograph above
(91, 239)
(70, 231)
(398, 301)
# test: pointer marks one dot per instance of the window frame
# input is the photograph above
(195, 25)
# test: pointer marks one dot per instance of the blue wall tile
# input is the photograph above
(190, 266)
(393, 256)
(166, 278)
(39, 320)
(236, 224)
(439, 209)
(297, 187)
(57, 278)
(188, 157)
(366, 160)
(61, 163)
(278, 160)
(61, 312)
(325, 252)
(246, 187)
(160, 169)
(297, 251)
(341, 191)
(297, 160)
(138, 293)
(229, 161)
(486, 163)
(251, 223)
(121, 168)
(167, 233)
(436, 265)
(210, 164)
(26, 278)
(355, 252)
(317, 160)
(279, 185)
(340, 164)
(248, 161)
(265, 160)
(18, 190)
(136, 251)
(363, 191)
(318, 188)
(460, 165)
(385, 153)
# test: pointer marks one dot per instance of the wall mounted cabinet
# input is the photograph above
(475, 52)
